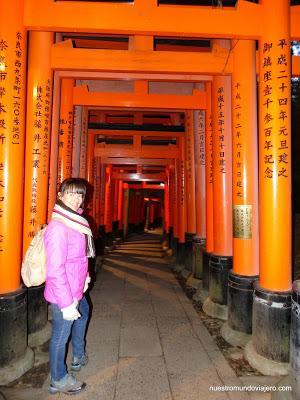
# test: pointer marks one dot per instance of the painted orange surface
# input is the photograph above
(38, 118)
(65, 130)
(13, 38)
(209, 172)
(222, 165)
(190, 173)
(244, 154)
(275, 149)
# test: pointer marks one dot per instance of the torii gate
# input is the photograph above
(248, 21)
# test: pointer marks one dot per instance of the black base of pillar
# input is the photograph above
(188, 249)
(115, 226)
(13, 326)
(180, 253)
(271, 324)
(205, 275)
(171, 235)
(36, 308)
(120, 233)
(174, 246)
(109, 239)
(240, 302)
(198, 248)
(219, 267)
(295, 346)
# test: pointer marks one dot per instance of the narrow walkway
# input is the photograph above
(145, 340)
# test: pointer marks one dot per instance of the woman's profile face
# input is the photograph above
(72, 200)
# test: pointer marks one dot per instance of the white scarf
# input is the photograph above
(75, 221)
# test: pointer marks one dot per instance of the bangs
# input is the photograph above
(73, 186)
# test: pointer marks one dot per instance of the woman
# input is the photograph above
(68, 243)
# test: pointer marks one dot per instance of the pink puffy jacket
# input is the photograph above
(66, 264)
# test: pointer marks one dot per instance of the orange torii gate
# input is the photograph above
(248, 21)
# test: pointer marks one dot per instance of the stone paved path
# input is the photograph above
(145, 340)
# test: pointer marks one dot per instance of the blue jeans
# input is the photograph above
(61, 331)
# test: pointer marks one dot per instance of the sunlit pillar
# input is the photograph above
(221, 259)
(13, 316)
(245, 195)
(64, 169)
(272, 300)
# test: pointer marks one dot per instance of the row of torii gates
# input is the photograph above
(226, 178)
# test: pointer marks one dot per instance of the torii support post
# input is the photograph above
(125, 209)
(245, 271)
(209, 248)
(190, 190)
(115, 208)
(65, 130)
(181, 202)
(13, 316)
(221, 260)
(120, 208)
(199, 239)
(166, 217)
(76, 141)
(38, 117)
(83, 143)
(272, 295)
(108, 205)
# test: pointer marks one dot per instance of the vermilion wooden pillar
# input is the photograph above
(54, 145)
(190, 190)
(38, 118)
(76, 141)
(89, 172)
(13, 315)
(120, 208)
(108, 204)
(125, 209)
(65, 130)
(245, 194)
(167, 202)
(115, 206)
(209, 171)
(221, 259)
(200, 199)
(97, 190)
(181, 201)
(83, 143)
(271, 307)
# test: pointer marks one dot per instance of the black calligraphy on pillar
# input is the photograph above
(181, 183)
(69, 143)
(83, 144)
(189, 146)
(17, 90)
(238, 186)
(276, 108)
(221, 130)
(3, 130)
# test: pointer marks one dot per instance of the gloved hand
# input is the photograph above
(86, 283)
(71, 313)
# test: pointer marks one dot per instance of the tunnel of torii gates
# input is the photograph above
(113, 94)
